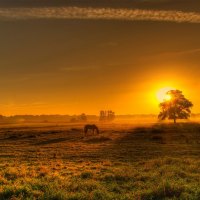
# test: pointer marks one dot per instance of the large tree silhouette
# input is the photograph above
(176, 107)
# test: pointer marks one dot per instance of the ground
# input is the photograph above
(125, 161)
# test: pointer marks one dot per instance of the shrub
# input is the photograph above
(86, 175)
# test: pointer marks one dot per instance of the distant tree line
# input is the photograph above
(79, 118)
(108, 115)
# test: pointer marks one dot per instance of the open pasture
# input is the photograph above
(125, 161)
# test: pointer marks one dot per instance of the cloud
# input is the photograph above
(174, 53)
(108, 44)
(180, 53)
(14, 105)
(77, 69)
(98, 13)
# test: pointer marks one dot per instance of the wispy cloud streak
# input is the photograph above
(98, 13)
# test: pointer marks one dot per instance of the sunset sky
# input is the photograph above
(69, 57)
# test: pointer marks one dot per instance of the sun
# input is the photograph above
(162, 94)
(167, 97)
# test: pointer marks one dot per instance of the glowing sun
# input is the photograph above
(162, 94)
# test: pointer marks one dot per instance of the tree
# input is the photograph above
(111, 115)
(102, 115)
(83, 117)
(175, 107)
(106, 115)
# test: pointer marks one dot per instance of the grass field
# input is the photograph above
(55, 162)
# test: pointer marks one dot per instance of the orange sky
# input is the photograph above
(70, 66)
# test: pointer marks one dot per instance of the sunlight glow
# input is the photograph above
(167, 97)
(162, 94)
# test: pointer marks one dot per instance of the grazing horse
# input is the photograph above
(91, 127)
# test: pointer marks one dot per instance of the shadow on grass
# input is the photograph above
(97, 140)
(52, 141)
(159, 140)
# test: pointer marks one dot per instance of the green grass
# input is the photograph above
(123, 163)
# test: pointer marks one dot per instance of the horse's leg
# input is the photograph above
(97, 130)
(85, 132)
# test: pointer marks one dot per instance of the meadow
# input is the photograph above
(124, 162)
